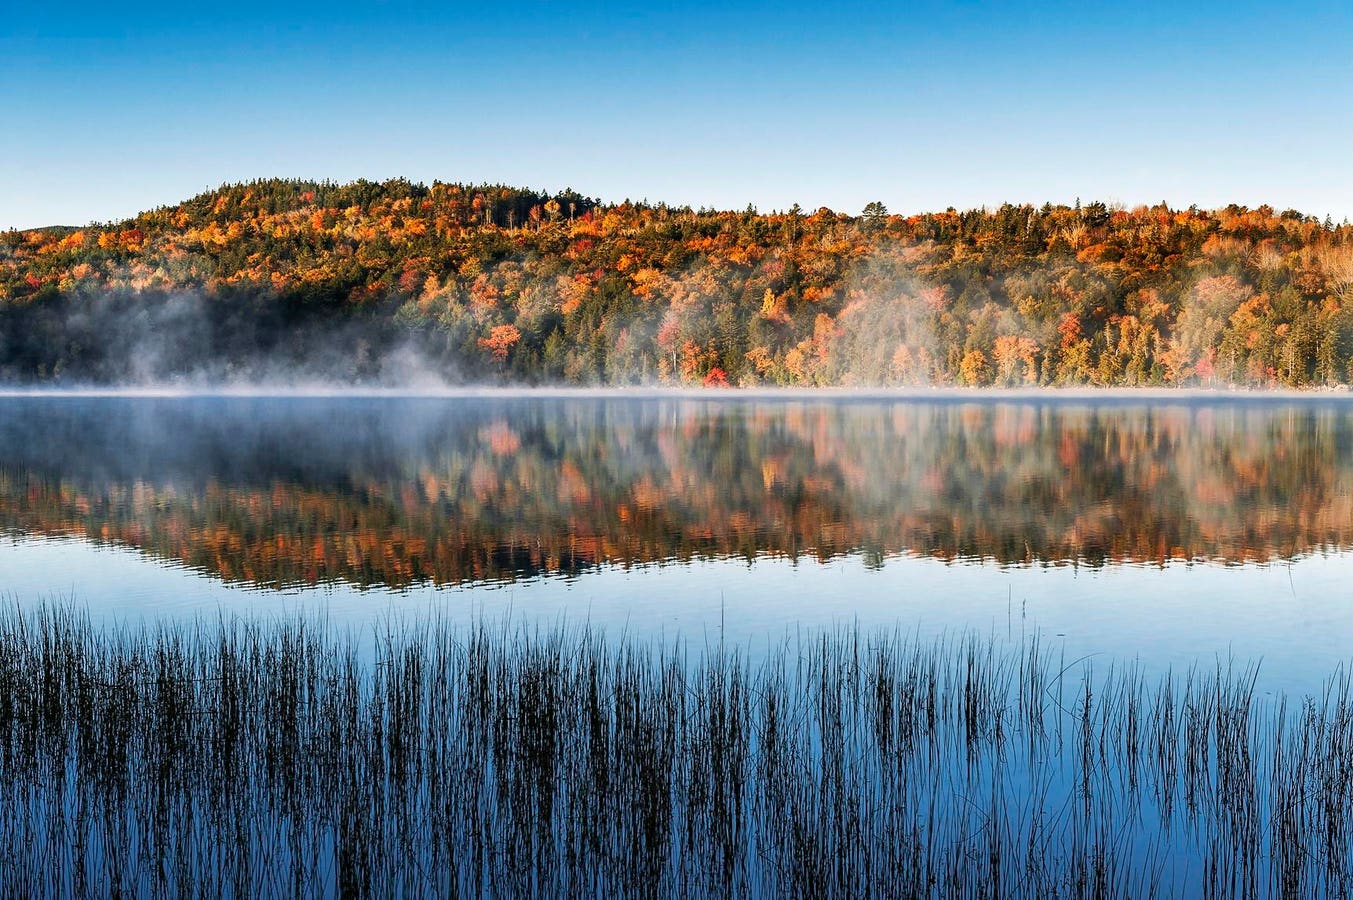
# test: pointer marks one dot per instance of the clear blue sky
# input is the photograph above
(110, 108)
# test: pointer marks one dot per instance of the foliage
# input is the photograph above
(495, 283)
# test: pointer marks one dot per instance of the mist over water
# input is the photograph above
(654, 478)
(1127, 525)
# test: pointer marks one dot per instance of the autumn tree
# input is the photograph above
(974, 371)
(501, 340)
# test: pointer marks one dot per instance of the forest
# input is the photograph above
(398, 283)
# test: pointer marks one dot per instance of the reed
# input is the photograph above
(288, 758)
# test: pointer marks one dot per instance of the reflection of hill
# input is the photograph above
(396, 492)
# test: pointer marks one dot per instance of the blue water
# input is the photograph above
(1172, 532)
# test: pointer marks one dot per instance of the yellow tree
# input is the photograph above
(1014, 357)
(973, 370)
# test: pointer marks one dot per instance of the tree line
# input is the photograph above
(378, 282)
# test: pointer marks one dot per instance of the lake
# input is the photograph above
(714, 645)
(1167, 530)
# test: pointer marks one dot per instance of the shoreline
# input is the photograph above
(1189, 395)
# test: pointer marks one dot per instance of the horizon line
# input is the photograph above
(1111, 204)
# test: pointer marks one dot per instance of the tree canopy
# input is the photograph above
(372, 282)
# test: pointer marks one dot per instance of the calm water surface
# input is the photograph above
(1172, 532)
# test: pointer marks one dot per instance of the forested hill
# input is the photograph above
(395, 282)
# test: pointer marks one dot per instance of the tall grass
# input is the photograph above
(288, 759)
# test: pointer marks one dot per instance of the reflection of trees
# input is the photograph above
(278, 493)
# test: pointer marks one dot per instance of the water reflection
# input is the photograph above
(395, 492)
